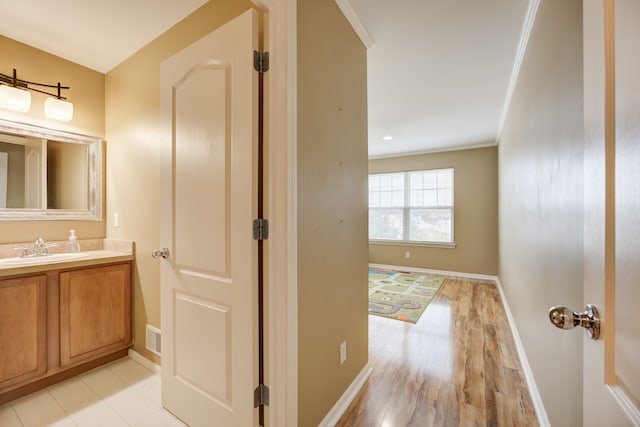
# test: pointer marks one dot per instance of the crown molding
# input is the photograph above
(515, 72)
(356, 23)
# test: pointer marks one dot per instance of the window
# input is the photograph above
(412, 206)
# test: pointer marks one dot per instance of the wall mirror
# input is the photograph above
(47, 174)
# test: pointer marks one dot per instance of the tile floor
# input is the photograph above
(122, 393)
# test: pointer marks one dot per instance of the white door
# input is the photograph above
(612, 223)
(209, 101)
(35, 173)
(4, 169)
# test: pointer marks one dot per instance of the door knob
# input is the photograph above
(565, 318)
(160, 253)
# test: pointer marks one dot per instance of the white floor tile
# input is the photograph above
(9, 417)
(121, 394)
(73, 395)
(160, 418)
(129, 371)
(131, 405)
(104, 382)
(40, 409)
(98, 415)
(152, 389)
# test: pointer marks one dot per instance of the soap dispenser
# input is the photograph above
(72, 243)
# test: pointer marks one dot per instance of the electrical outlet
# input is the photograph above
(116, 220)
(407, 254)
(343, 352)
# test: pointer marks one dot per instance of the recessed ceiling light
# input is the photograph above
(387, 138)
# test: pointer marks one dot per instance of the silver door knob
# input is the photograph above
(160, 253)
(564, 318)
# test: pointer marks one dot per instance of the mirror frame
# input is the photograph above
(94, 211)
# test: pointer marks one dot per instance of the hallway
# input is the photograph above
(457, 366)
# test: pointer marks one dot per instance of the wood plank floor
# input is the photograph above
(457, 366)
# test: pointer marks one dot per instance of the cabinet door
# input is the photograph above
(95, 312)
(23, 341)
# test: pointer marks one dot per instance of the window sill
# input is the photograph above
(411, 243)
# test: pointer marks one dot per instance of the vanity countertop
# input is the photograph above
(88, 258)
(93, 252)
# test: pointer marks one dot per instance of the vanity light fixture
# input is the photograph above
(11, 94)
(15, 95)
(57, 108)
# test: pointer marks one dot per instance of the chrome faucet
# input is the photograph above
(24, 249)
(40, 247)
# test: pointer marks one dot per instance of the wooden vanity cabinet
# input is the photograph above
(59, 323)
(95, 312)
(23, 341)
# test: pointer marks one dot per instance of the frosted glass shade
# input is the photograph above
(58, 109)
(15, 99)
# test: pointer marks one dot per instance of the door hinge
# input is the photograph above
(261, 396)
(261, 61)
(260, 229)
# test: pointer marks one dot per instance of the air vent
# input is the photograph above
(154, 340)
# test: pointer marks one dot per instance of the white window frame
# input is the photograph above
(406, 210)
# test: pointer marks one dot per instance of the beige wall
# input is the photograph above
(332, 207)
(475, 213)
(133, 128)
(15, 177)
(541, 204)
(87, 95)
(67, 175)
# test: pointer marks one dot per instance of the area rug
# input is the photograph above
(401, 295)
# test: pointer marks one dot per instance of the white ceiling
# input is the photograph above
(98, 34)
(438, 70)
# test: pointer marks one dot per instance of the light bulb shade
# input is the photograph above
(58, 109)
(15, 99)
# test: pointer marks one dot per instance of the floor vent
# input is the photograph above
(154, 340)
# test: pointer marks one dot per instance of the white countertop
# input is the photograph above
(45, 263)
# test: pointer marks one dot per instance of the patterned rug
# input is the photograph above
(401, 295)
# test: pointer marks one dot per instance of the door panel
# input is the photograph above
(207, 369)
(35, 173)
(611, 380)
(209, 281)
(627, 178)
(202, 156)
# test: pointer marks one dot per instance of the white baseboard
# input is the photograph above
(541, 413)
(146, 363)
(343, 403)
(543, 418)
(441, 272)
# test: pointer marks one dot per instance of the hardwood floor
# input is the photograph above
(457, 366)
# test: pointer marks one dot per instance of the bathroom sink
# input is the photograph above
(44, 259)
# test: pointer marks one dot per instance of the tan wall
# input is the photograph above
(475, 213)
(67, 175)
(541, 204)
(15, 177)
(132, 123)
(332, 207)
(87, 95)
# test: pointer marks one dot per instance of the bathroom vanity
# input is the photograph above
(62, 316)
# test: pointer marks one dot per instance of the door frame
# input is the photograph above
(281, 342)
